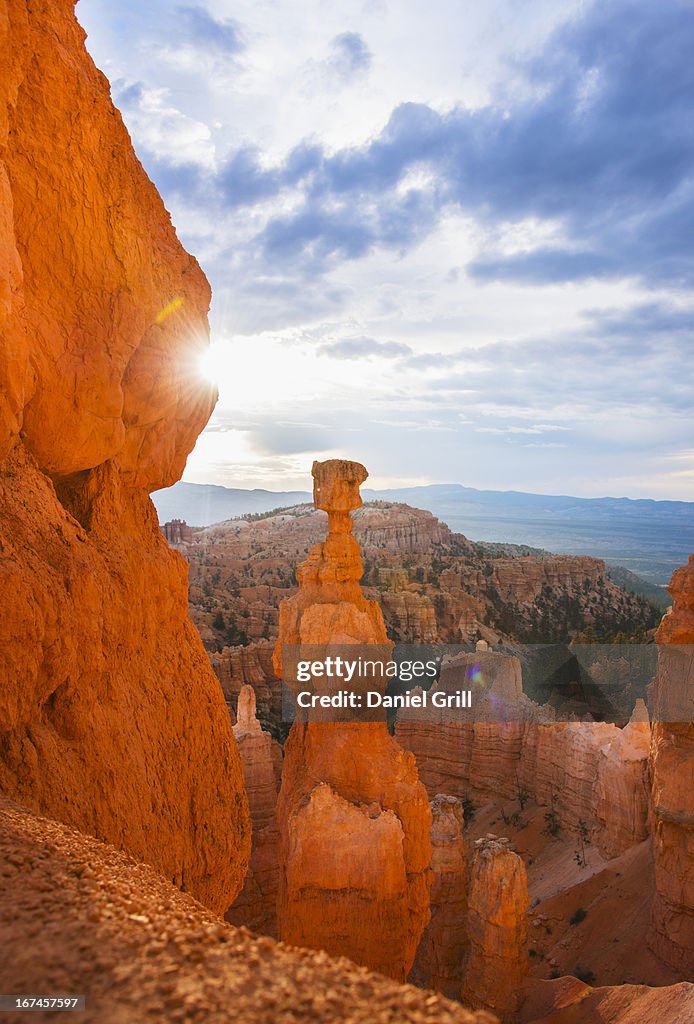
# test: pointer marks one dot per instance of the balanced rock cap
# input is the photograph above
(336, 485)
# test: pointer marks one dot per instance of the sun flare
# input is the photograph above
(208, 365)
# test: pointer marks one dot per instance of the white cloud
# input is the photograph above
(475, 392)
(162, 129)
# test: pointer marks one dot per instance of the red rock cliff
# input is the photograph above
(592, 771)
(110, 716)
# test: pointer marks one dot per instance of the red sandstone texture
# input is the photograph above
(570, 1001)
(672, 765)
(497, 927)
(608, 944)
(110, 716)
(431, 584)
(590, 772)
(443, 947)
(236, 667)
(261, 757)
(353, 818)
(77, 916)
(677, 626)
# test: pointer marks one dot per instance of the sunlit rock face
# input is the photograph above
(261, 757)
(353, 818)
(621, 791)
(672, 765)
(497, 929)
(110, 716)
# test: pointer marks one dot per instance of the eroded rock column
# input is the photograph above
(261, 758)
(439, 961)
(353, 817)
(621, 789)
(497, 929)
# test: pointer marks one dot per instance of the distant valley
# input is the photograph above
(433, 587)
(649, 538)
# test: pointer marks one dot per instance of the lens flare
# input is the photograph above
(474, 675)
(168, 309)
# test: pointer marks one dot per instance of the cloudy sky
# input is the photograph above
(454, 241)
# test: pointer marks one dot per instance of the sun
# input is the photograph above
(209, 364)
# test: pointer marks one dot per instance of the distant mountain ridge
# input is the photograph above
(205, 504)
(646, 536)
(463, 499)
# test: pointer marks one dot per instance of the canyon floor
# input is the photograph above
(588, 920)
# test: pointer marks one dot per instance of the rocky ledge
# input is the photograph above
(82, 918)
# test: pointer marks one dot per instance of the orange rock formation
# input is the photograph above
(261, 756)
(593, 772)
(433, 585)
(110, 716)
(621, 790)
(497, 928)
(439, 961)
(672, 763)
(236, 667)
(353, 817)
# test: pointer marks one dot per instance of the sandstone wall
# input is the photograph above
(444, 945)
(522, 579)
(410, 615)
(672, 763)
(261, 756)
(591, 772)
(110, 716)
(497, 923)
(398, 528)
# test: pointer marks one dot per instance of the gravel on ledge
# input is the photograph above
(79, 917)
